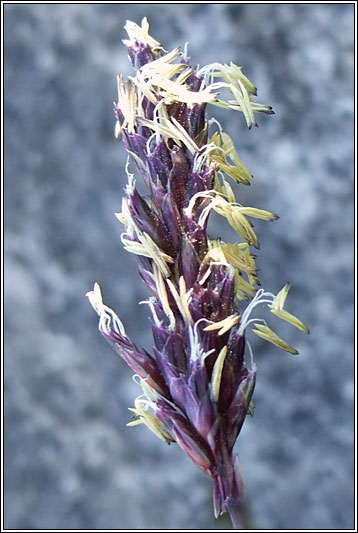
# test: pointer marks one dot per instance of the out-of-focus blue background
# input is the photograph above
(70, 460)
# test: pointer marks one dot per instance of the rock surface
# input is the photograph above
(70, 461)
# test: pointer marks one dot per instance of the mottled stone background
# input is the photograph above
(70, 460)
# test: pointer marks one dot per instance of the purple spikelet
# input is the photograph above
(197, 386)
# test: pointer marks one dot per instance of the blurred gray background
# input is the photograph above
(70, 460)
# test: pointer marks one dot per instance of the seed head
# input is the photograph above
(196, 385)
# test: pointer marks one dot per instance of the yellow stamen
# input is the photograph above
(127, 103)
(243, 288)
(223, 325)
(217, 372)
(107, 318)
(150, 420)
(266, 333)
(241, 225)
(225, 149)
(182, 298)
(258, 213)
(162, 295)
(240, 87)
(147, 248)
(142, 404)
(139, 34)
(236, 257)
(278, 310)
(170, 129)
(292, 319)
(280, 298)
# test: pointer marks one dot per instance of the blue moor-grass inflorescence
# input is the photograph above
(196, 387)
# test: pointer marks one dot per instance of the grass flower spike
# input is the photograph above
(196, 386)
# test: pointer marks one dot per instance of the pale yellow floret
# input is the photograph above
(140, 34)
(150, 394)
(135, 247)
(182, 298)
(258, 213)
(205, 275)
(149, 419)
(142, 404)
(280, 312)
(229, 73)
(232, 254)
(163, 66)
(266, 333)
(196, 348)
(215, 252)
(117, 130)
(242, 98)
(147, 248)
(243, 288)
(226, 149)
(238, 85)
(203, 157)
(155, 79)
(163, 62)
(144, 87)
(159, 257)
(127, 103)
(217, 202)
(184, 136)
(107, 318)
(218, 185)
(237, 257)
(240, 224)
(276, 304)
(235, 215)
(217, 373)
(235, 172)
(292, 319)
(238, 104)
(176, 92)
(232, 212)
(224, 325)
(228, 192)
(170, 129)
(250, 261)
(224, 188)
(162, 295)
(124, 216)
(95, 298)
(280, 298)
(184, 75)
